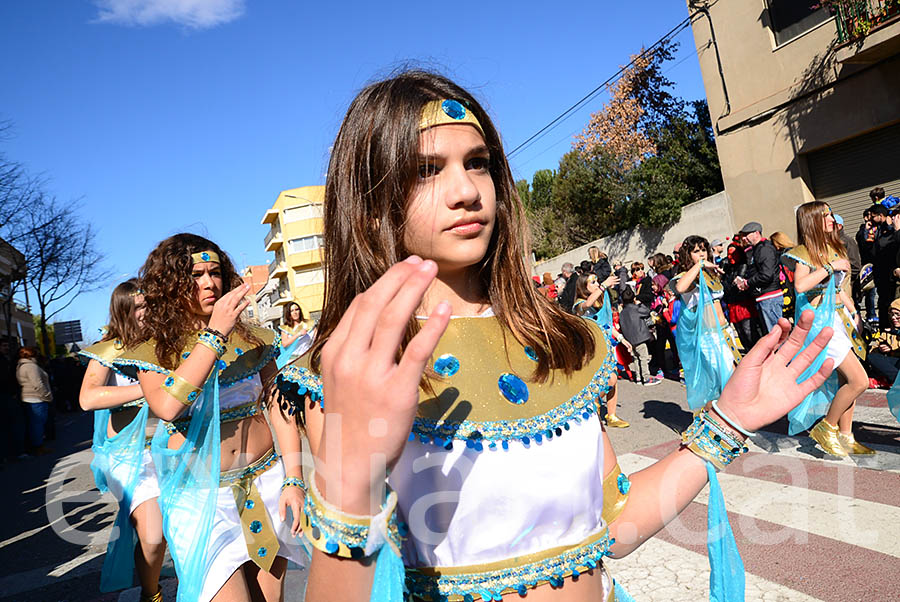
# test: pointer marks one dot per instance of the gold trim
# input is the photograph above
(433, 114)
(511, 562)
(205, 257)
(226, 477)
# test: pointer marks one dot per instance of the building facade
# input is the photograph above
(295, 237)
(805, 103)
(15, 320)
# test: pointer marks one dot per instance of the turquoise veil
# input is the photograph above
(815, 405)
(701, 346)
(189, 488)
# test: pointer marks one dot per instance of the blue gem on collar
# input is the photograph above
(221, 365)
(238, 351)
(249, 504)
(446, 365)
(454, 109)
(204, 256)
(255, 526)
(531, 353)
(513, 388)
(262, 552)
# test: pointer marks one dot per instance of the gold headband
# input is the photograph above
(447, 112)
(206, 256)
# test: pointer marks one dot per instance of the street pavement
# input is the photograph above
(808, 526)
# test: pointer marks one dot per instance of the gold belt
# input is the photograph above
(240, 412)
(259, 535)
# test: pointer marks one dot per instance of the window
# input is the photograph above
(301, 212)
(791, 18)
(306, 243)
(307, 277)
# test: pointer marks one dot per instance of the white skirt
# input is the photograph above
(840, 344)
(229, 549)
(147, 486)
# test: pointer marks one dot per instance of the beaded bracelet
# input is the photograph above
(212, 341)
(829, 269)
(729, 421)
(293, 482)
(181, 389)
(707, 440)
(348, 535)
(216, 333)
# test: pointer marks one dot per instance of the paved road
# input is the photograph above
(808, 527)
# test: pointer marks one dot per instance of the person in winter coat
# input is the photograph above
(36, 395)
(762, 275)
(633, 325)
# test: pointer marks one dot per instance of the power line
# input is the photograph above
(568, 112)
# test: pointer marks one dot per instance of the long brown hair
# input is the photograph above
(286, 314)
(371, 174)
(685, 261)
(169, 294)
(812, 235)
(122, 324)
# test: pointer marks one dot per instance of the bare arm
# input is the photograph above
(686, 282)
(805, 278)
(762, 389)
(97, 394)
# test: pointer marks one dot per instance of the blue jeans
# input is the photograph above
(37, 420)
(771, 311)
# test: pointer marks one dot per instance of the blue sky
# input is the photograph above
(172, 115)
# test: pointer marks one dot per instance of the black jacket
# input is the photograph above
(567, 296)
(762, 268)
(632, 323)
(884, 251)
(643, 291)
(602, 270)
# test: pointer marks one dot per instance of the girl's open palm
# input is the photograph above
(764, 386)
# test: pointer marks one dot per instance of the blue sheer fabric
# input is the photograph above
(284, 358)
(124, 452)
(604, 316)
(704, 353)
(390, 576)
(726, 569)
(815, 405)
(189, 488)
(893, 398)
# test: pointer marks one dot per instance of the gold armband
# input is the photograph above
(181, 389)
(615, 494)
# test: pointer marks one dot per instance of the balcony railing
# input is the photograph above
(273, 233)
(855, 19)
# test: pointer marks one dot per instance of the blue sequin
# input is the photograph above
(454, 109)
(513, 388)
(446, 365)
(221, 365)
(331, 547)
(262, 552)
(255, 526)
(192, 396)
(239, 351)
(531, 353)
(623, 483)
(248, 504)
(170, 381)
(185, 355)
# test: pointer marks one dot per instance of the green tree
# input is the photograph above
(524, 192)
(542, 187)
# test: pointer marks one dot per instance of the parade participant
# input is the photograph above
(122, 463)
(821, 282)
(295, 334)
(499, 468)
(592, 302)
(707, 342)
(224, 491)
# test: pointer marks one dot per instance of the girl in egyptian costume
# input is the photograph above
(592, 302)
(460, 457)
(122, 463)
(224, 491)
(706, 341)
(822, 284)
(295, 334)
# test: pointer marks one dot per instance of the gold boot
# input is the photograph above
(615, 422)
(157, 597)
(852, 446)
(827, 437)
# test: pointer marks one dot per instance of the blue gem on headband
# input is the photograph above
(205, 256)
(454, 109)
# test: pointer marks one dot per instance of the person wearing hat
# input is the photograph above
(885, 350)
(884, 251)
(873, 226)
(718, 250)
(762, 275)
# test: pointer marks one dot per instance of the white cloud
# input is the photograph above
(196, 14)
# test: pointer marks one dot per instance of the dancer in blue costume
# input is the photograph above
(122, 462)
(224, 491)
(706, 341)
(296, 335)
(592, 302)
(502, 476)
(822, 283)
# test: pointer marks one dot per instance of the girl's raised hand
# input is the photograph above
(371, 392)
(764, 385)
(228, 308)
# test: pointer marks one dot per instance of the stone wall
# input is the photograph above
(710, 217)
